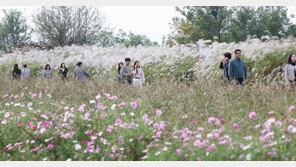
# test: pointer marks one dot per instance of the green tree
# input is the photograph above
(13, 30)
(212, 21)
(132, 39)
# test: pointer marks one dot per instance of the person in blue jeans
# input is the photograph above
(237, 69)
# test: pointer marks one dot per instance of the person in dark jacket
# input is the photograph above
(237, 69)
(16, 73)
(63, 71)
(224, 64)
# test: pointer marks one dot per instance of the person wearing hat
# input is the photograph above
(80, 72)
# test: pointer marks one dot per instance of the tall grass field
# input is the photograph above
(185, 111)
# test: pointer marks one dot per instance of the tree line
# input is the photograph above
(64, 26)
(229, 24)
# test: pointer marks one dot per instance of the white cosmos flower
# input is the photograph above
(7, 115)
(248, 157)
(113, 107)
(77, 147)
(92, 101)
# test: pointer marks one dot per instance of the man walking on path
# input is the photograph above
(237, 69)
(126, 72)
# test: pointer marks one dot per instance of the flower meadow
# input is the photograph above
(185, 113)
(103, 121)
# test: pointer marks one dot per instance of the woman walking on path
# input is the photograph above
(290, 70)
(16, 73)
(47, 72)
(80, 72)
(63, 71)
(138, 73)
(120, 65)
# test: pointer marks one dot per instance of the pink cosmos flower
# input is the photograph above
(158, 112)
(93, 137)
(50, 146)
(40, 95)
(252, 114)
(134, 105)
(141, 137)
(63, 103)
(122, 104)
(81, 108)
(120, 141)
(291, 108)
(192, 122)
(20, 123)
(86, 115)
(198, 159)
(184, 117)
(34, 95)
(118, 121)
(200, 129)
(156, 125)
(235, 126)
(270, 112)
(210, 147)
(179, 151)
(109, 130)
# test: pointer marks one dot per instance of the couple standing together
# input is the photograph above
(125, 73)
(234, 69)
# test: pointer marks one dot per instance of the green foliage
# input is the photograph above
(229, 24)
(13, 30)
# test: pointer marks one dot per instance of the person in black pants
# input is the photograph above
(63, 71)
(16, 73)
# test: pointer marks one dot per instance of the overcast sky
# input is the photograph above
(152, 21)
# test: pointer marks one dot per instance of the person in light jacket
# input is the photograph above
(138, 73)
(47, 72)
(290, 70)
(80, 72)
(26, 72)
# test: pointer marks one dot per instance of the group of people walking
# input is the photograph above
(234, 69)
(80, 73)
(126, 75)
